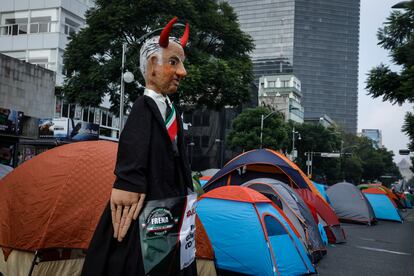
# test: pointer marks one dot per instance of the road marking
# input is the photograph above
(374, 240)
(383, 250)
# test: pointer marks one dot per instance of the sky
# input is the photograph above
(374, 113)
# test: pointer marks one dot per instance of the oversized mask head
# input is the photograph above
(162, 60)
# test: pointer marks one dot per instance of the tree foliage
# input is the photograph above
(217, 61)
(397, 36)
(317, 138)
(360, 159)
(245, 134)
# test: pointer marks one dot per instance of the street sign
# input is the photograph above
(330, 154)
(308, 163)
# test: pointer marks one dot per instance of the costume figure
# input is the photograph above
(151, 162)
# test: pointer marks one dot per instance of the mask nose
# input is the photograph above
(181, 72)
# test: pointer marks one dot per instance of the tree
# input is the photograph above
(397, 36)
(245, 134)
(317, 138)
(218, 64)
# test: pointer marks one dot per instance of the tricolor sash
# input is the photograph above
(171, 123)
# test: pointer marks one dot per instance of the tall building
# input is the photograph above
(375, 135)
(317, 41)
(38, 31)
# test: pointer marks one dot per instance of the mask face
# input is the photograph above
(166, 69)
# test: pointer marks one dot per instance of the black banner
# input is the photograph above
(167, 229)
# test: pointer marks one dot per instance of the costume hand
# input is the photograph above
(125, 206)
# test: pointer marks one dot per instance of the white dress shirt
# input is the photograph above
(159, 100)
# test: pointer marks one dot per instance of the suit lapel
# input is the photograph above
(156, 112)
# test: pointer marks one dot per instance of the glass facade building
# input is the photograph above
(375, 135)
(317, 41)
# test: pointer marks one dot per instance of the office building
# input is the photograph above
(375, 135)
(282, 93)
(317, 41)
(38, 31)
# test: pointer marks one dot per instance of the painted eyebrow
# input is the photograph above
(176, 58)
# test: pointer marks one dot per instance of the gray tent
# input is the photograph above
(295, 209)
(350, 204)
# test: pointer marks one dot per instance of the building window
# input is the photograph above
(40, 24)
(187, 117)
(285, 83)
(14, 26)
(91, 115)
(70, 26)
(85, 114)
(105, 132)
(65, 110)
(109, 120)
(206, 118)
(58, 107)
(197, 119)
(104, 116)
(196, 140)
(72, 108)
(205, 141)
(42, 62)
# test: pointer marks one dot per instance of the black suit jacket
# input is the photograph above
(146, 161)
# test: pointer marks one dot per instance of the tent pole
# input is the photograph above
(34, 263)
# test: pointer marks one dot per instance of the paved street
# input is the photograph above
(384, 249)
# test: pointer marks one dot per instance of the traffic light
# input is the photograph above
(404, 152)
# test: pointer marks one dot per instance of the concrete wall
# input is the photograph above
(26, 87)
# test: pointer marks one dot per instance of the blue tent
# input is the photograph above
(322, 189)
(250, 235)
(383, 207)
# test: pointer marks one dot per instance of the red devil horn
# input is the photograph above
(186, 35)
(165, 34)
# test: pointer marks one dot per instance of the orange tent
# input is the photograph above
(56, 199)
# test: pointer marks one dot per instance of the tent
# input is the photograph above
(204, 253)
(265, 163)
(51, 205)
(384, 207)
(203, 180)
(322, 190)
(393, 197)
(295, 209)
(55, 200)
(4, 170)
(250, 235)
(350, 204)
(209, 172)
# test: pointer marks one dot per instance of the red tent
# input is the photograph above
(265, 163)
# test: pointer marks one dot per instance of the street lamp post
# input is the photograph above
(267, 116)
(191, 152)
(126, 77)
(294, 133)
(261, 125)
(221, 152)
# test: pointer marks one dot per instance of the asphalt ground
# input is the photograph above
(386, 248)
